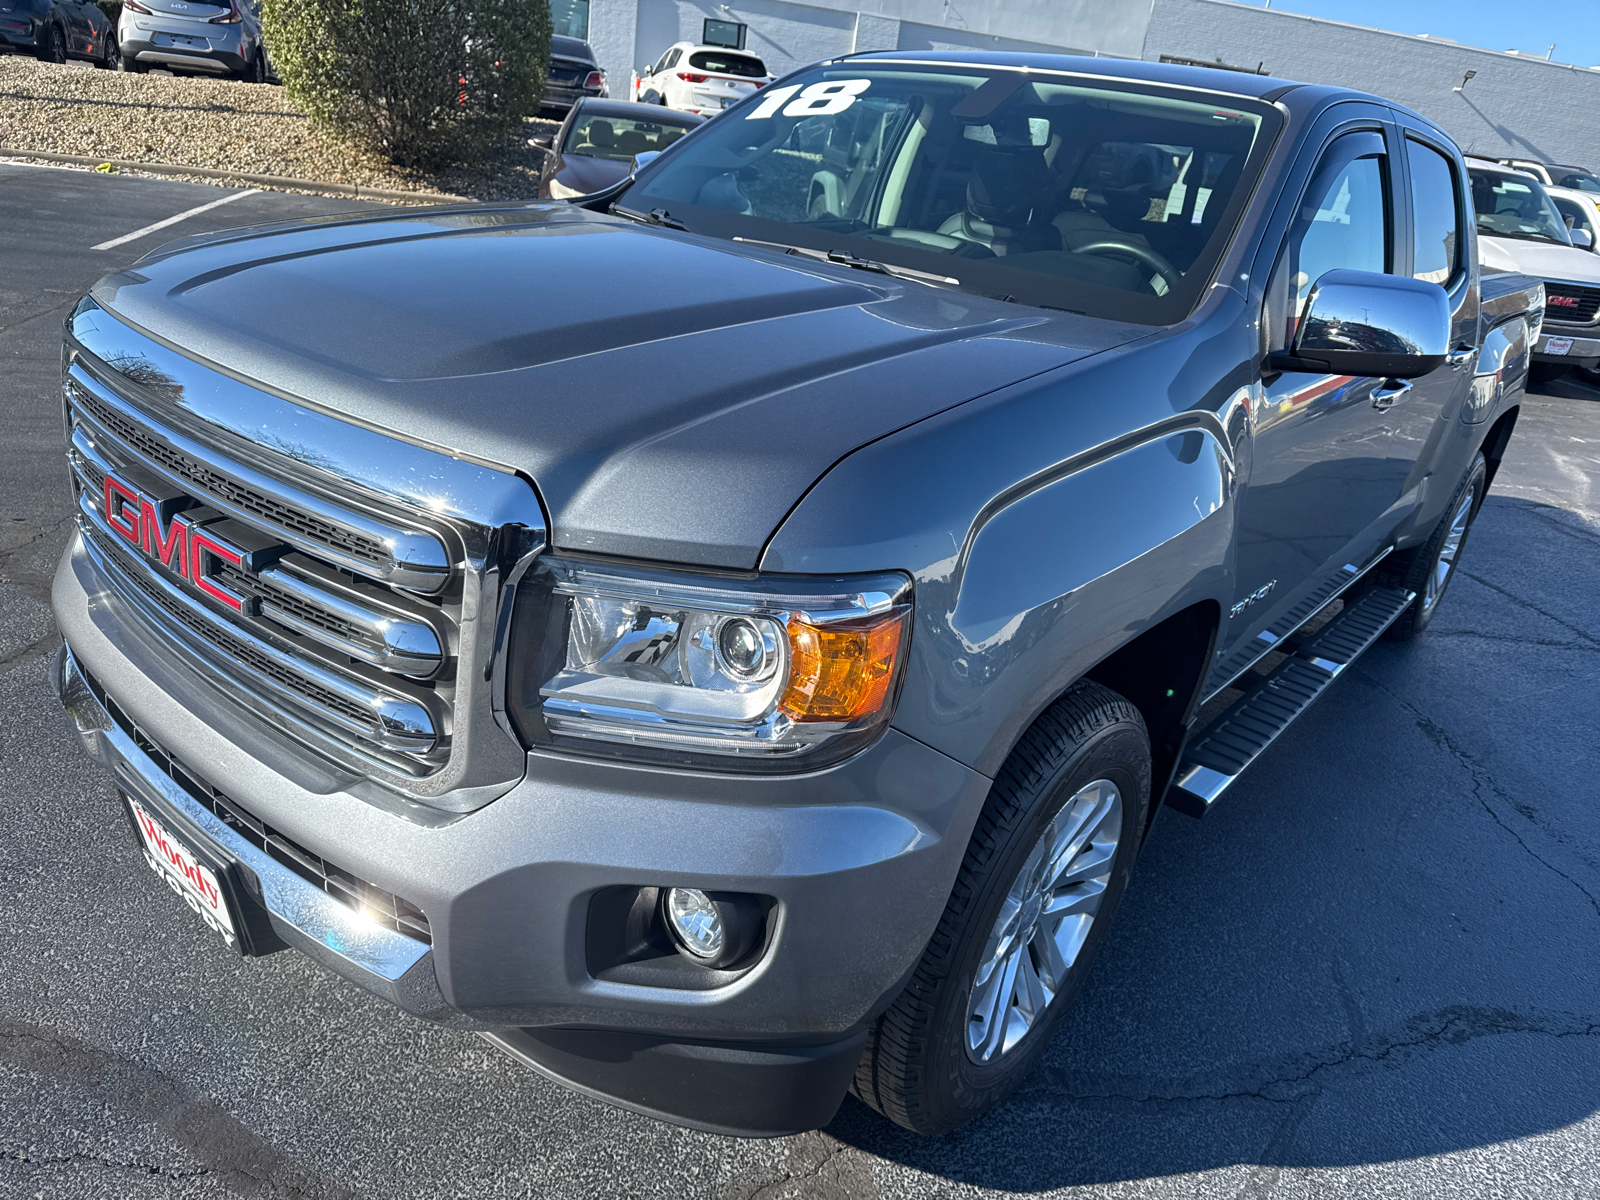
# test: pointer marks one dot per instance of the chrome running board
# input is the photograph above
(1227, 747)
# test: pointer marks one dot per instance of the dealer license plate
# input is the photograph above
(195, 882)
(1558, 345)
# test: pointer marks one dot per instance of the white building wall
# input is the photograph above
(1515, 106)
(792, 33)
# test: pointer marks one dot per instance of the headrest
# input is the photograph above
(601, 134)
(1007, 182)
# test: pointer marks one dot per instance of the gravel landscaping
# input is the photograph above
(221, 124)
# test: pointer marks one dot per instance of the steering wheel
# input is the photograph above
(1170, 275)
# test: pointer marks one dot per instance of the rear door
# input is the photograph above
(1427, 462)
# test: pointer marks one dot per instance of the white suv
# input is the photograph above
(700, 79)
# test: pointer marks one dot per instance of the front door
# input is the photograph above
(1325, 467)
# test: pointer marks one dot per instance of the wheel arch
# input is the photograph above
(1495, 442)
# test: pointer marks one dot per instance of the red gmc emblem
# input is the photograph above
(184, 548)
(1562, 301)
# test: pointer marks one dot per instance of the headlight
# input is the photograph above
(779, 673)
(560, 191)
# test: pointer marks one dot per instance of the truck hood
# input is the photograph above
(1542, 260)
(671, 396)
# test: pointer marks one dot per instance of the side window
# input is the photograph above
(672, 59)
(1435, 214)
(1343, 221)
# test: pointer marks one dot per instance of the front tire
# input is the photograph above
(1048, 862)
(1432, 565)
(51, 48)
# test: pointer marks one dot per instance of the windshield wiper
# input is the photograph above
(656, 216)
(845, 259)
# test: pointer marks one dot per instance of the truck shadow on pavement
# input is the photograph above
(1383, 944)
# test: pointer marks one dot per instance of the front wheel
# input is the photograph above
(1048, 862)
(1432, 565)
(51, 48)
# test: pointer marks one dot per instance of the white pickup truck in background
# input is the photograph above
(1520, 229)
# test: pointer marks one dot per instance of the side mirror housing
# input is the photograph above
(1364, 323)
(544, 141)
(1582, 239)
(644, 157)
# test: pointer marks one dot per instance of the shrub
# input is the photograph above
(421, 82)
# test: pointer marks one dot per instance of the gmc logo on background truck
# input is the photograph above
(184, 547)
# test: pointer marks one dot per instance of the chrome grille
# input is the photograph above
(1569, 304)
(192, 471)
(357, 607)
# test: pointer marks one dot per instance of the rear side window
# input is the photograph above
(618, 138)
(728, 64)
(1343, 222)
(1435, 214)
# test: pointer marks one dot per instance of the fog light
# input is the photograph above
(695, 923)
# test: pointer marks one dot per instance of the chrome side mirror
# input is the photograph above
(643, 158)
(1582, 239)
(1366, 324)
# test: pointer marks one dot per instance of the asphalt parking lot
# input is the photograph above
(1374, 971)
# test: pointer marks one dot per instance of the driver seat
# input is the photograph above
(1006, 184)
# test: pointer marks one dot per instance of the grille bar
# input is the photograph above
(406, 558)
(388, 721)
(328, 612)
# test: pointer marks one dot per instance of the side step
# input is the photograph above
(1243, 733)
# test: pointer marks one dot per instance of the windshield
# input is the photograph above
(1114, 199)
(596, 135)
(728, 64)
(1515, 206)
(1580, 180)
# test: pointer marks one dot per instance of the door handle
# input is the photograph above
(1461, 356)
(1389, 393)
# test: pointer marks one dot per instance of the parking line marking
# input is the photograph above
(173, 220)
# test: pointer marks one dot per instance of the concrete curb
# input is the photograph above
(270, 181)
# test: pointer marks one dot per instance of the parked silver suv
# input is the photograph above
(192, 35)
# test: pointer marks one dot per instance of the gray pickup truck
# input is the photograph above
(725, 639)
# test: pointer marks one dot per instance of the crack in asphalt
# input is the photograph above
(16, 657)
(1481, 780)
(808, 1155)
(43, 312)
(1512, 639)
(1455, 1025)
(1529, 604)
(153, 1170)
(197, 1124)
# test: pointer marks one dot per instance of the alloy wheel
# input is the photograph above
(1044, 921)
(1445, 563)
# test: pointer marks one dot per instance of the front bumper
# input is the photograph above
(1585, 350)
(859, 860)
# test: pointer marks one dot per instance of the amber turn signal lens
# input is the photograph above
(841, 673)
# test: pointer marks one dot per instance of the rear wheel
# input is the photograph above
(1432, 565)
(1048, 862)
(112, 58)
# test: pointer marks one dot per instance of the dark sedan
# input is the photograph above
(574, 73)
(597, 143)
